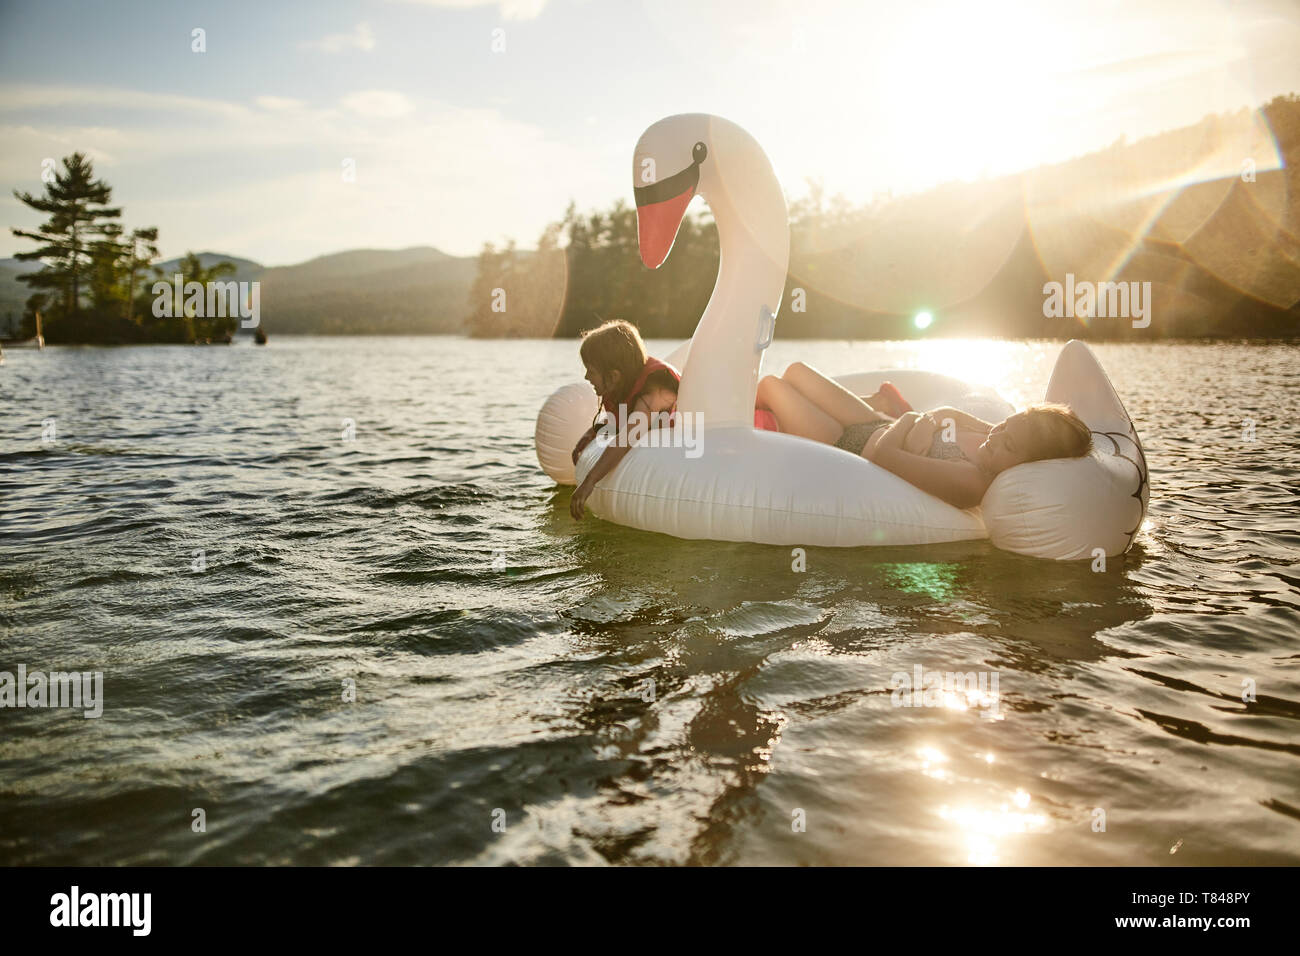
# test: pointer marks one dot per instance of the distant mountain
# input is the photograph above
(419, 290)
(18, 266)
(13, 294)
(1185, 212)
(364, 262)
(369, 291)
(1193, 232)
(246, 270)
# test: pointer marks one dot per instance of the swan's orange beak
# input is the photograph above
(657, 224)
(660, 207)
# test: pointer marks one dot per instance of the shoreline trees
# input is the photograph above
(94, 285)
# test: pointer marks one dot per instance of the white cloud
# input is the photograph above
(383, 104)
(266, 183)
(361, 38)
(27, 146)
(26, 97)
(510, 9)
(278, 103)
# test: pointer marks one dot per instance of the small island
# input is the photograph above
(99, 283)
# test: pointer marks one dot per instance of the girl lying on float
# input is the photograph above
(945, 452)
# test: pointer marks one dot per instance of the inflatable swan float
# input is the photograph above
(742, 484)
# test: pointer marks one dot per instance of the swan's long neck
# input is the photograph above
(722, 369)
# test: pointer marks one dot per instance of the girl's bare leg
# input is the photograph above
(829, 396)
(884, 403)
(797, 415)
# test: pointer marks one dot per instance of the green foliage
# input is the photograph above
(74, 241)
(97, 273)
(203, 327)
(587, 269)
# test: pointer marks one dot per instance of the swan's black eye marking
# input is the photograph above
(675, 185)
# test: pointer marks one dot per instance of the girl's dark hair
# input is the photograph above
(615, 346)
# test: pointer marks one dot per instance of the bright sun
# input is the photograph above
(967, 83)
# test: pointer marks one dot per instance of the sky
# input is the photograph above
(468, 122)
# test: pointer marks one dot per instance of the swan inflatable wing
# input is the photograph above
(714, 476)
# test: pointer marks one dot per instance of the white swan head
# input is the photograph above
(673, 160)
(690, 154)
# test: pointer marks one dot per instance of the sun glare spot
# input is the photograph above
(984, 829)
(931, 755)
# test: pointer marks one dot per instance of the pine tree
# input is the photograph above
(143, 251)
(107, 258)
(77, 205)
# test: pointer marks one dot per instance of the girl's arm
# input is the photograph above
(584, 441)
(615, 453)
(607, 462)
(960, 419)
(957, 482)
(921, 436)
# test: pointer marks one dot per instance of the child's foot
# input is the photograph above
(893, 400)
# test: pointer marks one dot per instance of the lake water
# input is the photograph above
(201, 532)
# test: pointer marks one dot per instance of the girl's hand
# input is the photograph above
(921, 436)
(894, 436)
(580, 495)
(897, 433)
(607, 462)
(587, 437)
